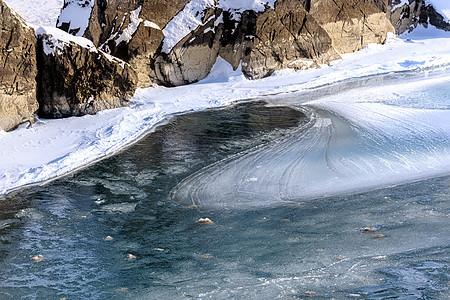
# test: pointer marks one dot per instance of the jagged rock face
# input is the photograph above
(284, 37)
(352, 24)
(408, 16)
(17, 70)
(405, 17)
(429, 15)
(123, 29)
(294, 33)
(75, 80)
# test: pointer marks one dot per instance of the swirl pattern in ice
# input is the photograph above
(351, 144)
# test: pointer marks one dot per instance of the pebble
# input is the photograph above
(368, 229)
(131, 256)
(108, 238)
(379, 236)
(38, 258)
(310, 293)
(204, 221)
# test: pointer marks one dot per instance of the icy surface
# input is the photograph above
(354, 141)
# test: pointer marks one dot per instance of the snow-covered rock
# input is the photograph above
(177, 42)
(406, 15)
(75, 78)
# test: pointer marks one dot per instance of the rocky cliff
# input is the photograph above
(178, 42)
(17, 70)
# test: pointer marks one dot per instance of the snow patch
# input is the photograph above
(36, 12)
(77, 14)
(151, 24)
(401, 4)
(56, 40)
(128, 32)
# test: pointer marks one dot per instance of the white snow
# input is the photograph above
(133, 25)
(51, 148)
(151, 24)
(184, 22)
(36, 12)
(77, 13)
(57, 39)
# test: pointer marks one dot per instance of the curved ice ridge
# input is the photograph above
(344, 148)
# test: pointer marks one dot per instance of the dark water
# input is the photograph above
(307, 250)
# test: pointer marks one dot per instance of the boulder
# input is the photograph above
(17, 70)
(75, 78)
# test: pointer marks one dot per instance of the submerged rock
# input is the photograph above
(204, 221)
(75, 78)
(17, 70)
(38, 258)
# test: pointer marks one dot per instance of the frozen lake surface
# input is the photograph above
(112, 230)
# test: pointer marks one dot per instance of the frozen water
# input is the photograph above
(353, 142)
(309, 249)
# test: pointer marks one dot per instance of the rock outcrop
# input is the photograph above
(75, 78)
(17, 70)
(177, 42)
(429, 15)
(406, 16)
(352, 24)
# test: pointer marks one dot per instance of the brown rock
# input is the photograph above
(75, 79)
(295, 34)
(111, 18)
(17, 70)
(352, 24)
(283, 36)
